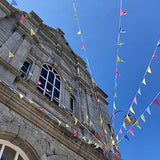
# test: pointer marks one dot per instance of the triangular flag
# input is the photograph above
(120, 131)
(30, 73)
(90, 123)
(131, 131)
(10, 54)
(75, 133)
(21, 95)
(149, 69)
(115, 94)
(59, 122)
(137, 124)
(89, 141)
(86, 118)
(156, 101)
(41, 108)
(119, 60)
(148, 110)
(97, 146)
(67, 125)
(32, 32)
(154, 56)
(83, 47)
(114, 116)
(14, 3)
(75, 120)
(127, 116)
(117, 73)
(124, 126)
(158, 44)
(143, 118)
(122, 12)
(139, 91)
(75, 15)
(144, 81)
(101, 121)
(126, 137)
(49, 59)
(135, 100)
(20, 64)
(114, 106)
(39, 82)
(79, 32)
(120, 44)
(117, 137)
(131, 109)
(104, 150)
(22, 18)
(116, 153)
(122, 30)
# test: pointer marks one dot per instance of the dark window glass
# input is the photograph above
(44, 73)
(40, 89)
(45, 66)
(49, 88)
(57, 84)
(71, 103)
(8, 153)
(55, 72)
(25, 66)
(20, 158)
(55, 102)
(50, 67)
(42, 82)
(51, 77)
(56, 93)
(48, 96)
(58, 77)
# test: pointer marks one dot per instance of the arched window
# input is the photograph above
(50, 83)
(9, 151)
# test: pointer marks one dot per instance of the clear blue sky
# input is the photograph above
(99, 23)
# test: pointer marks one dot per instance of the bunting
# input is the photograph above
(75, 121)
(14, 3)
(148, 110)
(144, 81)
(114, 116)
(10, 54)
(79, 33)
(135, 100)
(143, 118)
(122, 30)
(131, 131)
(32, 32)
(122, 12)
(139, 91)
(131, 109)
(120, 131)
(156, 101)
(119, 60)
(83, 46)
(154, 56)
(117, 73)
(114, 106)
(137, 124)
(149, 69)
(75, 133)
(120, 44)
(124, 126)
(22, 18)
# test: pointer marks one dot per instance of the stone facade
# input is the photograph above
(37, 132)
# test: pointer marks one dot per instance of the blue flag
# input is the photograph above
(122, 30)
(126, 137)
(14, 3)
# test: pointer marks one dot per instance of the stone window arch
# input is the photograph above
(9, 151)
(50, 83)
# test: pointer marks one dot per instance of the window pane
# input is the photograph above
(51, 77)
(55, 102)
(55, 72)
(25, 67)
(57, 84)
(44, 73)
(49, 88)
(71, 103)
(20, 158)
(58, 77)
(45, 66)
(40, 89)
(56, 93)
(47, 95)
(8, 154)
(42, 82)
(50, 67)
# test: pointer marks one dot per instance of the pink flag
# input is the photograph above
(131, 131)
(114, 116)
(39, 82)
(0, 81)
(41, 108)
(156, 101)
(117, 73)
(22, 18)
(83, 47)
(116, 153)
(100, 135)
(122, 12)
(135, 100)
(75, 133)
(120, 131)
(104, 150)
(94, 136)
(153, 56)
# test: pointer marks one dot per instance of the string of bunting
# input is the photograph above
(11, 55)
(118, 60)
(138, 92)
(142, 117)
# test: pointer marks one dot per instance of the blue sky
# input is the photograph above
(99, 24)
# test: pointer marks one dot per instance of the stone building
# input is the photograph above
(50, 107)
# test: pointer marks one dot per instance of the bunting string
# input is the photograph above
(142, 117)
(143, 81)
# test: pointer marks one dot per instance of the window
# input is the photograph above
(71, 103)
(50, 83)
(9, 151)
(25, 68)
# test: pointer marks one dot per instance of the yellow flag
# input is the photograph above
(117, 147)
(67, 125)
(137, 124)
(30, 101)
(131, 109)
(120, 44)
(10, 54)
(97, 146)
(75, 120)
(143, 118)
(86, 117)
(144, 81)
(101, 121)
(119, 60)
(128, 118)
(32, 32)
(114, 106)
(117, 137)
(21, 96)
(149, 69)
(93, 81)
(111, 138)
(79, 32)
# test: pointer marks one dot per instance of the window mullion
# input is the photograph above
(16, 156)
(46, 82)
(2, 149)
(53, 86)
